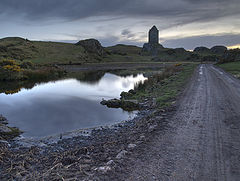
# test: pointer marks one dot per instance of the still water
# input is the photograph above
(66, 105)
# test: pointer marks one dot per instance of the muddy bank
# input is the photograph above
(81, 157)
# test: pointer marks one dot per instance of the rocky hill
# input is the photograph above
(42, 52)
(91, 50)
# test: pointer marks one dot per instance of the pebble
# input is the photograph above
(152, 128)
(111, 163)
(142, 137)
(104, 169)
(131, 146)
(121, 154)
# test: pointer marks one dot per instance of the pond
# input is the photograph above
(66, 105)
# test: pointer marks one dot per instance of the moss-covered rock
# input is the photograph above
(127, 105)
(6, 132)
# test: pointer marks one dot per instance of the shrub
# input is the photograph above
(10, 70)
(13, 68)
(8, 62)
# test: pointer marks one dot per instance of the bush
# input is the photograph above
(43, 74)
(10, 70)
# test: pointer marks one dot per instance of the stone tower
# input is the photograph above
(153, 35)
(153, 46)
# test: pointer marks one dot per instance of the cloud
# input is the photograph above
(183, 10)
(122, 21)
(127, 33)
(203, 40)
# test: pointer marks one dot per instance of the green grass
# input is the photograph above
(173, 85)
(42, 52)
(164, 87)
(55, 52)
(124, 49)
(51, 52)
(232, 67)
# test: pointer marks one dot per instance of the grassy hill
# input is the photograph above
(42, 52)
(125, 53)
(55, 52)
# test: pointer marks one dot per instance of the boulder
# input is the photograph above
(4, 129)
(92, 46)
(127, 95)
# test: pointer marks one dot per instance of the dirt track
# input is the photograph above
(203, 138)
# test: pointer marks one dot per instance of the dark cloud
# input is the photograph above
(207, 40)
(164, 13)
(185, 10)
(127, 33)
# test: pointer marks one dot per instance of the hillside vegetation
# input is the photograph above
(232, 67)
(41, 52)
(90, 50)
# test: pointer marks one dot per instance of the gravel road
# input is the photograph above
(203, 138)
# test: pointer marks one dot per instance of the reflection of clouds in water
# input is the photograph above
(66, 105)
(110, 86)
(46, 118)
(125, 83)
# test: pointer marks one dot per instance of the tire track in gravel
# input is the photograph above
(203, 138)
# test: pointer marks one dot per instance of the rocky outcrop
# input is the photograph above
(218, 49)
(152, 49)
(201, 50)
(92, 46)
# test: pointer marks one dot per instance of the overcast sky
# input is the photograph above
(182, 23)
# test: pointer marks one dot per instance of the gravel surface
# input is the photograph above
(202, 139)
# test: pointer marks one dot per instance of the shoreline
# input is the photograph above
(88, 157)
(103, 146)
(53, 139)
